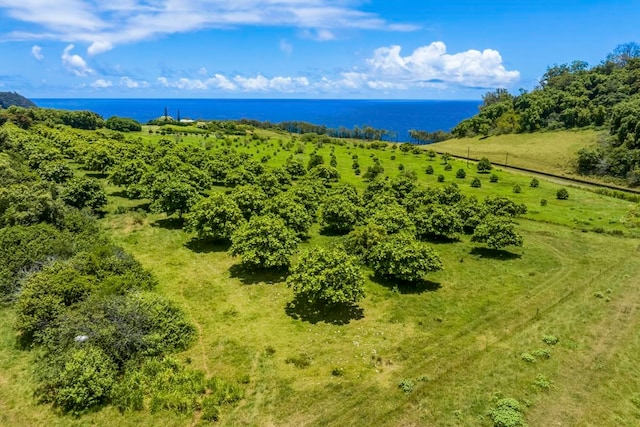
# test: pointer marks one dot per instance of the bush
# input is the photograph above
(493, 178)
(402, 257)
(429, 170)
(214, 218)
(562, 194)
(517, 189)
(328, 277)
(448, 167)
(534, 183)
(264, 242)
(543, 202)
(460, 173)
(507, 413)
(550, 339)
(484, 165)
(76, 381)
(476, 183)
(440, 178)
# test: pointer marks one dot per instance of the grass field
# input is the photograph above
(552, 152)
(456, 344)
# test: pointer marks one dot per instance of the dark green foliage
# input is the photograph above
(214, 218)
(264, 242)
(403, 184)
(23, 204)
(125, 327)
(517, 189)
(122, 124)
(294, 214)
(314, 160)
(484, 165)
(239, 176)
(502, 206)
(45, 297)
(250, 199)
(441, 178)
(562, 194)
(327, 174)
(476, 183)
(77, 380)
(534, 183)
(24, 249)
(448, 167)
(461, 173)
(508, 413)
(373, 171)
(309, 193)
(55, 171)
(171, 196)
(295, 167)
(437, 221)
(429, 170)
(403, 258)
(84, 193)
(327, 277)
(497, 232)
(493, 178)
(393, 218)
(362, 240)
(8, 99)
(339, 214)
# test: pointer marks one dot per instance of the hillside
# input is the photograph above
(574, 96)
(128, 262)
(7, 99)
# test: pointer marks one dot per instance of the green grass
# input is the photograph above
(458, 339)
(553, 152)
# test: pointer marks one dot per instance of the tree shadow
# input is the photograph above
(441, 240)
(340, 314)
(405, 287)
(331, 232)
(204, 246)
(169, 223)
(254, 276)
(499, 254)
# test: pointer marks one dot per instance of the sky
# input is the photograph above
(333, 49)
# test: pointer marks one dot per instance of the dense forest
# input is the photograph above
(575, 96)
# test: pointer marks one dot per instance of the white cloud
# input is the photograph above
(101, 84)
(36, 51)
(128, 82)
(104, 25)
(203, 71)
(432, 64)
(75, 63)
(258, 83)
(286, 47)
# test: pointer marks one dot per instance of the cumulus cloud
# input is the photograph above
(259, 83)
(101, 84)
(129, 83)
(106, 24)
(432, 64)
(36, 51)
(75, 63)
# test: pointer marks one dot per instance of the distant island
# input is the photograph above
(7, 99)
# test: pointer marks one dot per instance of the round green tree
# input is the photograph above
(215, 217)
(84, 193)
(294, 214)
(339, 214)
(264, 242)
(327, 277)
(484, 165)
(404, 258)
(497, 232)
(437, 221)
(249, 198)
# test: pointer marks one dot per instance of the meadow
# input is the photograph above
(552, 324)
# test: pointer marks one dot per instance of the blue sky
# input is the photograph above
(382, 49)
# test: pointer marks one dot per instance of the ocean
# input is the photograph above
(398, 116)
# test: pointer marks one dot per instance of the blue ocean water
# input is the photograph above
(398, 116)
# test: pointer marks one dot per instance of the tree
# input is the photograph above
(56, 171)
(171, 196)
(339, 215)
(497, 232)
(404, 258)
(503, 206)
(294, 214)
(460, 173)
(327, 277)
(484, 165)
(264, 242)
(249, 198)
(437, 221)
(84, 192)
(122, 124)
(362, 240)
(562, 194)
(393, 218)
(215, 217)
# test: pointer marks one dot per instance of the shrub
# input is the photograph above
(429, 170)
(534, 183)
(460, 173)
(327, 277)
(550, 339)
(476, 183)
(406, 385)
(484, 165)
(517, 188)
(448, 167)
(493, 178)
(542, 382)
(543, 202)
(507, 413)
(440, 178)
(527, 357)
(562, 194)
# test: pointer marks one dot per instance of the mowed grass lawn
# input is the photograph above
(456, 342)
(553, 152)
